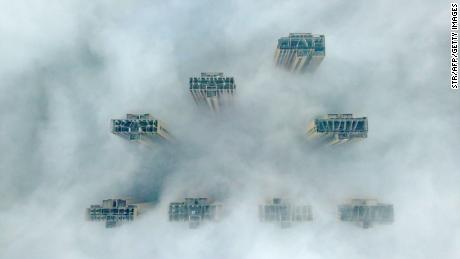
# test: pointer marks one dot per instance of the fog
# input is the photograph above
(68, 67)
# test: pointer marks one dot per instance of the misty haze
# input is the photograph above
(68, 68)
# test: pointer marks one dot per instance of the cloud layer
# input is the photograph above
(68, 67)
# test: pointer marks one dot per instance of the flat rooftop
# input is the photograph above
(302, 41)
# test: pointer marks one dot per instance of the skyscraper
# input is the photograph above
(194, 211)
(284, 212)
(300, 52)
(213, 90)
(140, 127)
(365, 212)
(338, 128)
(113, 212)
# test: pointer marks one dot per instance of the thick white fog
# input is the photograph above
(68, 67)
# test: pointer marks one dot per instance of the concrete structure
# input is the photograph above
(338, 128)
(284, 212)
(366, 212)
(140, 127)
(213, 90)
(113, 211)
(194, 211)
(300, 52)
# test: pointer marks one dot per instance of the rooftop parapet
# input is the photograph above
(339, 116)
(145, 116)
(212, 74)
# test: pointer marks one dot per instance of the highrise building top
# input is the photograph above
(303, 41)
(300, 52)
(340, 128)
(140, 127)
(113, 212)
(194, 211)
(365, 212)
(212, 83)
(212, 89)
(284, 212)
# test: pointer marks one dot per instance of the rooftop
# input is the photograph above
(302, 41)
(135, 124)
(211, 81)
(341, 123)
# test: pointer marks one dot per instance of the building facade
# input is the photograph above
(194, 211)
(213, 90)
(300, 52)
(284, 212)
(366, 212)
(140, 127)
(338, 128)
(113, 212)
